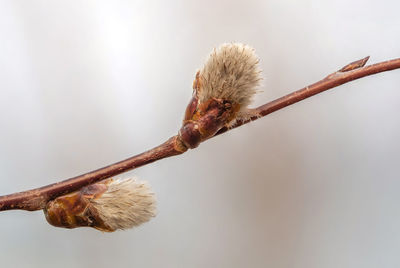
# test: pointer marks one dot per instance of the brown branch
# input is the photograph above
(350, 72)
(37, 198)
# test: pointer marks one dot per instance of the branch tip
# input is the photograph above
(354, 65)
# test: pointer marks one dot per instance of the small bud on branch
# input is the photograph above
(222, 90)
(108, 205)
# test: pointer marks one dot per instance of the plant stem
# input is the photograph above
(37, 198)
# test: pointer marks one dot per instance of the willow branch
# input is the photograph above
(348, 73)
(37, 198)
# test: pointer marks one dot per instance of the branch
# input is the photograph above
(37, 198)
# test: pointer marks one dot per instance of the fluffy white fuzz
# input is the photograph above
(231, 73)
(125, 204)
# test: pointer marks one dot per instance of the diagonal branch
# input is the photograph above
(37, 198)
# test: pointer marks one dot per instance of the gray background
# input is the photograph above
(87, 83)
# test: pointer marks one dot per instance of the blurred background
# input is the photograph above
(87, 83)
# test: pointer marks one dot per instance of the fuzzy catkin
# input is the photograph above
(231, 72)
(125, 204)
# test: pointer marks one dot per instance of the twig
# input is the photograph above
(37, 198)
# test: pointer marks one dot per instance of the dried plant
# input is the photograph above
(222, 91)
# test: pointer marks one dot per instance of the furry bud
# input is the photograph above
(222, 90)
(231, 73)
(108, 205)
